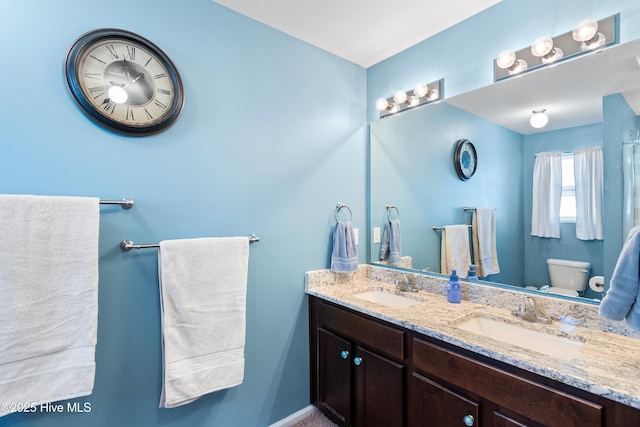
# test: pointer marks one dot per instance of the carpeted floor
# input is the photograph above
(316, 419)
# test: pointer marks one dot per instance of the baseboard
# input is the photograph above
(295, 417)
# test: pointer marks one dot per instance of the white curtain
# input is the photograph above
(589, 188)
(631, 187)
(547, 191)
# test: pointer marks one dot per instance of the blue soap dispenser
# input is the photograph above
(454, 290)
(471, 276)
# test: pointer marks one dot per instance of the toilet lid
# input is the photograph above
(561, 291)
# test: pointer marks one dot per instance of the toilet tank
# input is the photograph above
(569, 274)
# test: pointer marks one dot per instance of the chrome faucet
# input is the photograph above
(405, 285)
(530, 311)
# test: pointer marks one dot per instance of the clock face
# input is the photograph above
(465, 159)
(124, 82)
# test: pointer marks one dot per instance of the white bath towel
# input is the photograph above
(203, 287)
(455, 252)
(48, 298)
(484, 241)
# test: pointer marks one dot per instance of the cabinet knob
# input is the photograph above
(344, 354)
(357, 361)
(468, 420)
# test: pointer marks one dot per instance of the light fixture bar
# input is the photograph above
(561, 48)
(402, 100)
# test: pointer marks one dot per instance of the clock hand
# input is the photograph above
(138, 77)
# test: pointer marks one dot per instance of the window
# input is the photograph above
(568, 198)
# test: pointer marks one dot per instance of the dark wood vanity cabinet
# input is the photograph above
(358, 368)
(367, 372)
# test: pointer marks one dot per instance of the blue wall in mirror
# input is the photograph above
(412, 168)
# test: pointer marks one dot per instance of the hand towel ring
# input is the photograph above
(339, 207)
(389, 207)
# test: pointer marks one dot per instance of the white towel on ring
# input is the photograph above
(48, 298)
(203, 286)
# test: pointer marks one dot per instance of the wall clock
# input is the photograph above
(124, 82)
(465, 159)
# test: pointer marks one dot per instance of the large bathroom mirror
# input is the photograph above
(592, 100)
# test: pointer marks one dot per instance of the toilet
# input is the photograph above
(568, 277)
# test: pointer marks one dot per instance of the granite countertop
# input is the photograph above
(606, 365)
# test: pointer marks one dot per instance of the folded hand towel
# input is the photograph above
(484, 241)
(203, 286)
(622, 300)
(48, 298)
(344, 257)
(390, 245)
(454, 253)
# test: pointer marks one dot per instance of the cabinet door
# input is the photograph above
(434, 405)
(378, 393)
(334, 371)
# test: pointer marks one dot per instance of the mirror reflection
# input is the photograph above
(592, 103)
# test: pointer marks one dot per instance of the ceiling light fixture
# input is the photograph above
(539, 119)
(588, 36)
(404, 100)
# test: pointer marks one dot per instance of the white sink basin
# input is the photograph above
(387, 299)
(540, 342)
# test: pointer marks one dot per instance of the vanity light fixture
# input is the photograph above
(588, 36)
(404, 100)
(539, 119)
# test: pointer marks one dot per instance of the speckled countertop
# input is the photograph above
(608, 364)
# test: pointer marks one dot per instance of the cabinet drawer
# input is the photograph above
(535, 401)
(383, 339)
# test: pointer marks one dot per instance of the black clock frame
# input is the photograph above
(86, 42)
(457, 158)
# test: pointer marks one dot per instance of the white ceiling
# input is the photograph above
(362, 31)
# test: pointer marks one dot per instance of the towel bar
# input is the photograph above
(440, 227)
(473, 209)
(127, 245)
(125, 203)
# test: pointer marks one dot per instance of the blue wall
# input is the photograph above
(568, 246)
(273, 134)
(412, 168)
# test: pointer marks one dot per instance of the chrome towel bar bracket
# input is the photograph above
(125, 203)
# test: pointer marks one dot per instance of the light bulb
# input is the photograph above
(412, 101)
(587, 33)
(117, 94)
(542, 46)
(394, 108)
(506, 59)
(421, 90)
(519, 66)
(381, 104)
(539, 119)
(586, 30)
(400, 97)
(434, 94)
